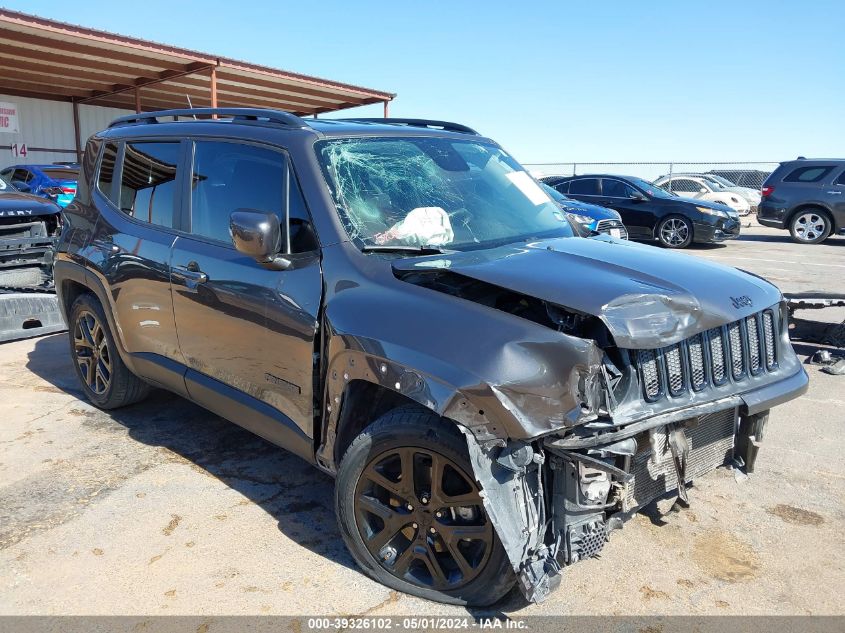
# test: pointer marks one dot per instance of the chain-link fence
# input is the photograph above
(735, 184)
(742, 174)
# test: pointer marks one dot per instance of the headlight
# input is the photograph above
(649, 320)
(581, 219)
(717, 212)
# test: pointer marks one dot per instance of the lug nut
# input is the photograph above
(424, 500)
(438, 514)
(414, 525)
(410, 507)
(432, 530)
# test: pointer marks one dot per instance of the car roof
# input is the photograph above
(172, 122)
(43, 166)
(811, 161)
(619, 176)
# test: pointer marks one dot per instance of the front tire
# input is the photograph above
(105, 379)
(675, 231)
(810, 226)
(411, 514)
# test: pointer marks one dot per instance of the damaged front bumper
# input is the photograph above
(554, 501)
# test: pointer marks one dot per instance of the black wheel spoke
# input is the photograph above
(402, 563)
(430, 560)
(455, 533)
(378, 479)
(457, 556)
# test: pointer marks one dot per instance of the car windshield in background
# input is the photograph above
(722, 181)
(651, 189)
(448, 193)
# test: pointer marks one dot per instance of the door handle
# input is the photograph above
(835, 193)
(190, 274)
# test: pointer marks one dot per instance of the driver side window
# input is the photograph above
(229, 176)
(616, 188)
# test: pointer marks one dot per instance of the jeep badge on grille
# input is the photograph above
(741, 302)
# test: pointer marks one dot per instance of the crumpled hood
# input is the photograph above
(647, 297)
(17, 204)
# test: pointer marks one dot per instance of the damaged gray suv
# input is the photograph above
(399, 303)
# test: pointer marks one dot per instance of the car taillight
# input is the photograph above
(68, 189)
(767, 190)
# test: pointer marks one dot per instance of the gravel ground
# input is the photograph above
(163, 508)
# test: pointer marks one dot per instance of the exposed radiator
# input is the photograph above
(711, 440)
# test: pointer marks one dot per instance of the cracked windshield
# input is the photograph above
(441, 193)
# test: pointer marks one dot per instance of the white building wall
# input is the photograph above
(45, 128)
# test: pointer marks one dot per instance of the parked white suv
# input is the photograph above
(694, 186)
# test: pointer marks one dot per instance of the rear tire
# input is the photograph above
(810, 226)
(105, 379)
(423, 534)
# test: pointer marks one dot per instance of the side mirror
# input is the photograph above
(636, 196)
(702, 190)
(20, 185)
(258, 234)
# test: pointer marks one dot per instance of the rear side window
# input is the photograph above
(229, 176)
(841, 179)
(105, 179)
(809, 174)
(562, 187)
(584, 186)
(683, 185)
(148, 181)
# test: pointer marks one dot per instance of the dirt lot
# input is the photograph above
(163, 508)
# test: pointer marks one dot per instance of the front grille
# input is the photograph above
(711, 441)
(732, 352)
(604, 226)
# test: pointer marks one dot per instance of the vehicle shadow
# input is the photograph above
(786, 239)
(297, 495)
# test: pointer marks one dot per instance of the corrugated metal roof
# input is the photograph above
(54, 60)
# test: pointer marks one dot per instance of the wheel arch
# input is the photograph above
(73, 280)
(363, 402)
(806, 206)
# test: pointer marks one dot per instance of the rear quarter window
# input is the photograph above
(105, 177)
(808, 174)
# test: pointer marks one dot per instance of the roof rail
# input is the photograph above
(278, 117)
(427, 123)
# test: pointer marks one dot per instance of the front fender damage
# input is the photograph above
(511, 479)
(553, 505)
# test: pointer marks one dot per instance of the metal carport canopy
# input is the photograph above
(47, 59)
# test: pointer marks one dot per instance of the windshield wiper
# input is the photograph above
(416, 250)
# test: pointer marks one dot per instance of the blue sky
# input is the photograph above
(551, 81)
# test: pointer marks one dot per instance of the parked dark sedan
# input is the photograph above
(649, 212)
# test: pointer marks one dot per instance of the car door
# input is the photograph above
(138, 195)
(835, 196)
(636, 215)
(247, 332)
